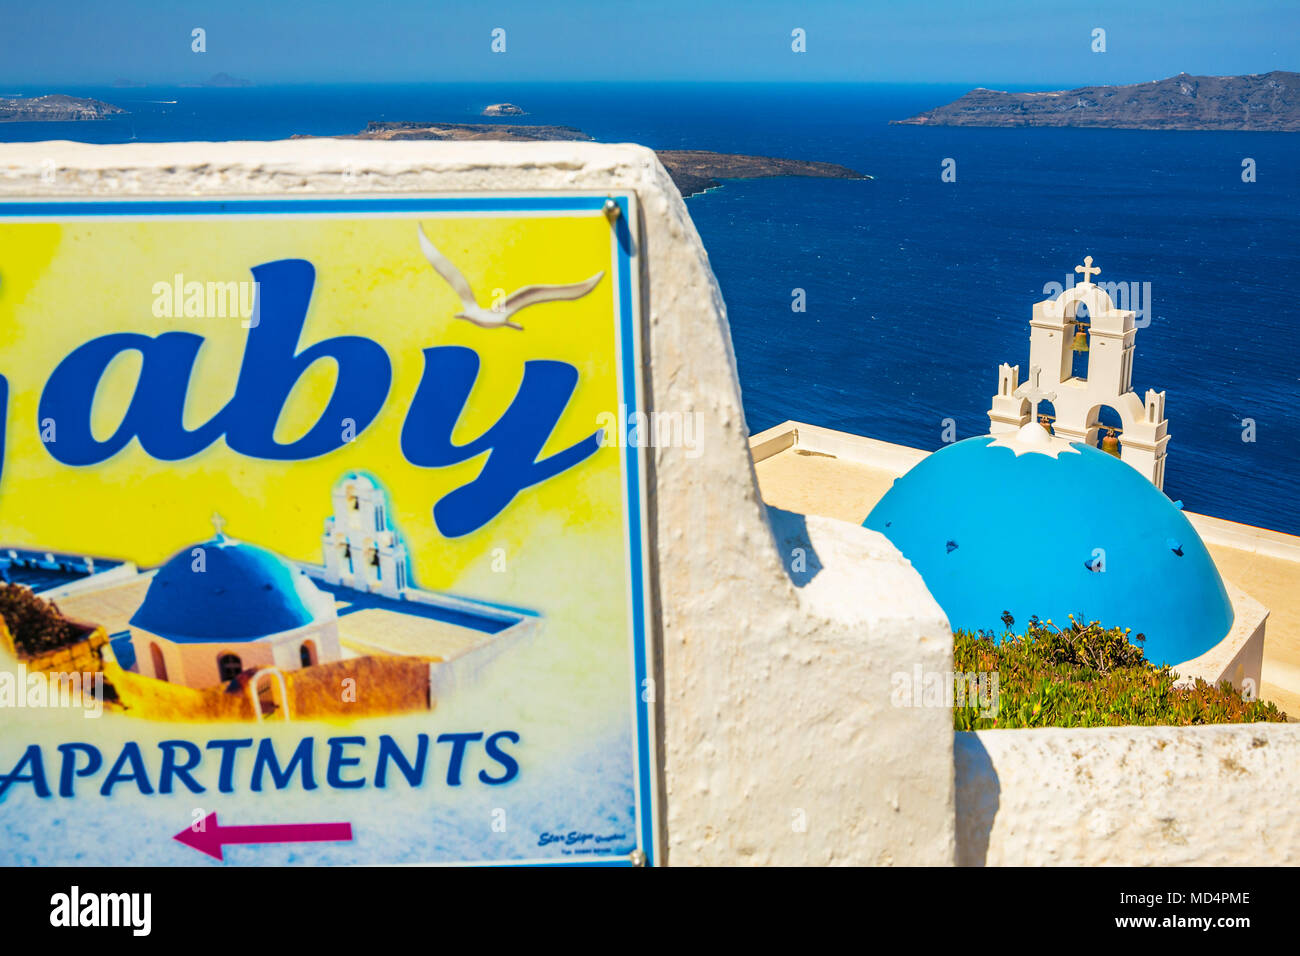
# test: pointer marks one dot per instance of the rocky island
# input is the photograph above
(54, 108)
(503, 109)
(1260, 101)
(695, 170)
(463, 131)
(692, 170)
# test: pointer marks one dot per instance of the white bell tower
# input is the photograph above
(1144, 436)
(361, 550)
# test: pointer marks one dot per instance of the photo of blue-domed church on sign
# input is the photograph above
(227, 621)
(259, 609)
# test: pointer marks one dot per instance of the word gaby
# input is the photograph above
(272, 365)
(342, 763)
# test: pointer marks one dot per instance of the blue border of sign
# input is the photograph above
(635, 512)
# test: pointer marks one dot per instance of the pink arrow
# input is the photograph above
(210, 837)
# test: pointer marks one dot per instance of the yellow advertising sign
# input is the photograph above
(328, 507)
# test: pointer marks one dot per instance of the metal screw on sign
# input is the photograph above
(636, 858)
(612, 210)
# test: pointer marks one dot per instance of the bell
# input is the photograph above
(1110, 444)
(1046, 422)
(1081, 341)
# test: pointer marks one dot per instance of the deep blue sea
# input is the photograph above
(916, 289)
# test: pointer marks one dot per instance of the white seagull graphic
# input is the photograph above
(499, 315)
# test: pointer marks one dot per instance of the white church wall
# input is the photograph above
(151, 651)
(1246, 537)
(898, 459)
(286, 647)
(467, 668)
(199, 660)
(1239, 657)
(778, 741)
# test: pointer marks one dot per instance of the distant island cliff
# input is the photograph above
(1263, 101)
(692, 170)
(54, 108)
(695, 170)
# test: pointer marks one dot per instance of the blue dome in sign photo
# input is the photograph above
(993, 526)
(243, 593)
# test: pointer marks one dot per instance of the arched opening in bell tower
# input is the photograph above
(1047, 415)
(1110, 430)
(1080, 344)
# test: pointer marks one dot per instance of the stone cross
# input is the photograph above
(218, 522)
(1034, 393)
(1087, 269)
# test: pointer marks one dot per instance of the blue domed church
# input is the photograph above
(1045, 517)
(993, 525)
(222, 607)
(229, 615)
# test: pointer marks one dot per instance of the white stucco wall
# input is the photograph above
(1207, 796)
(779, 743)
(1239, 657)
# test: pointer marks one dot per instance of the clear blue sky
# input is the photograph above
(1036, 43)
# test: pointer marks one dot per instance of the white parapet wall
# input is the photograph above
(1207, 796)
(779, 743)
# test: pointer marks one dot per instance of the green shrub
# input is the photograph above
(1086, 675)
